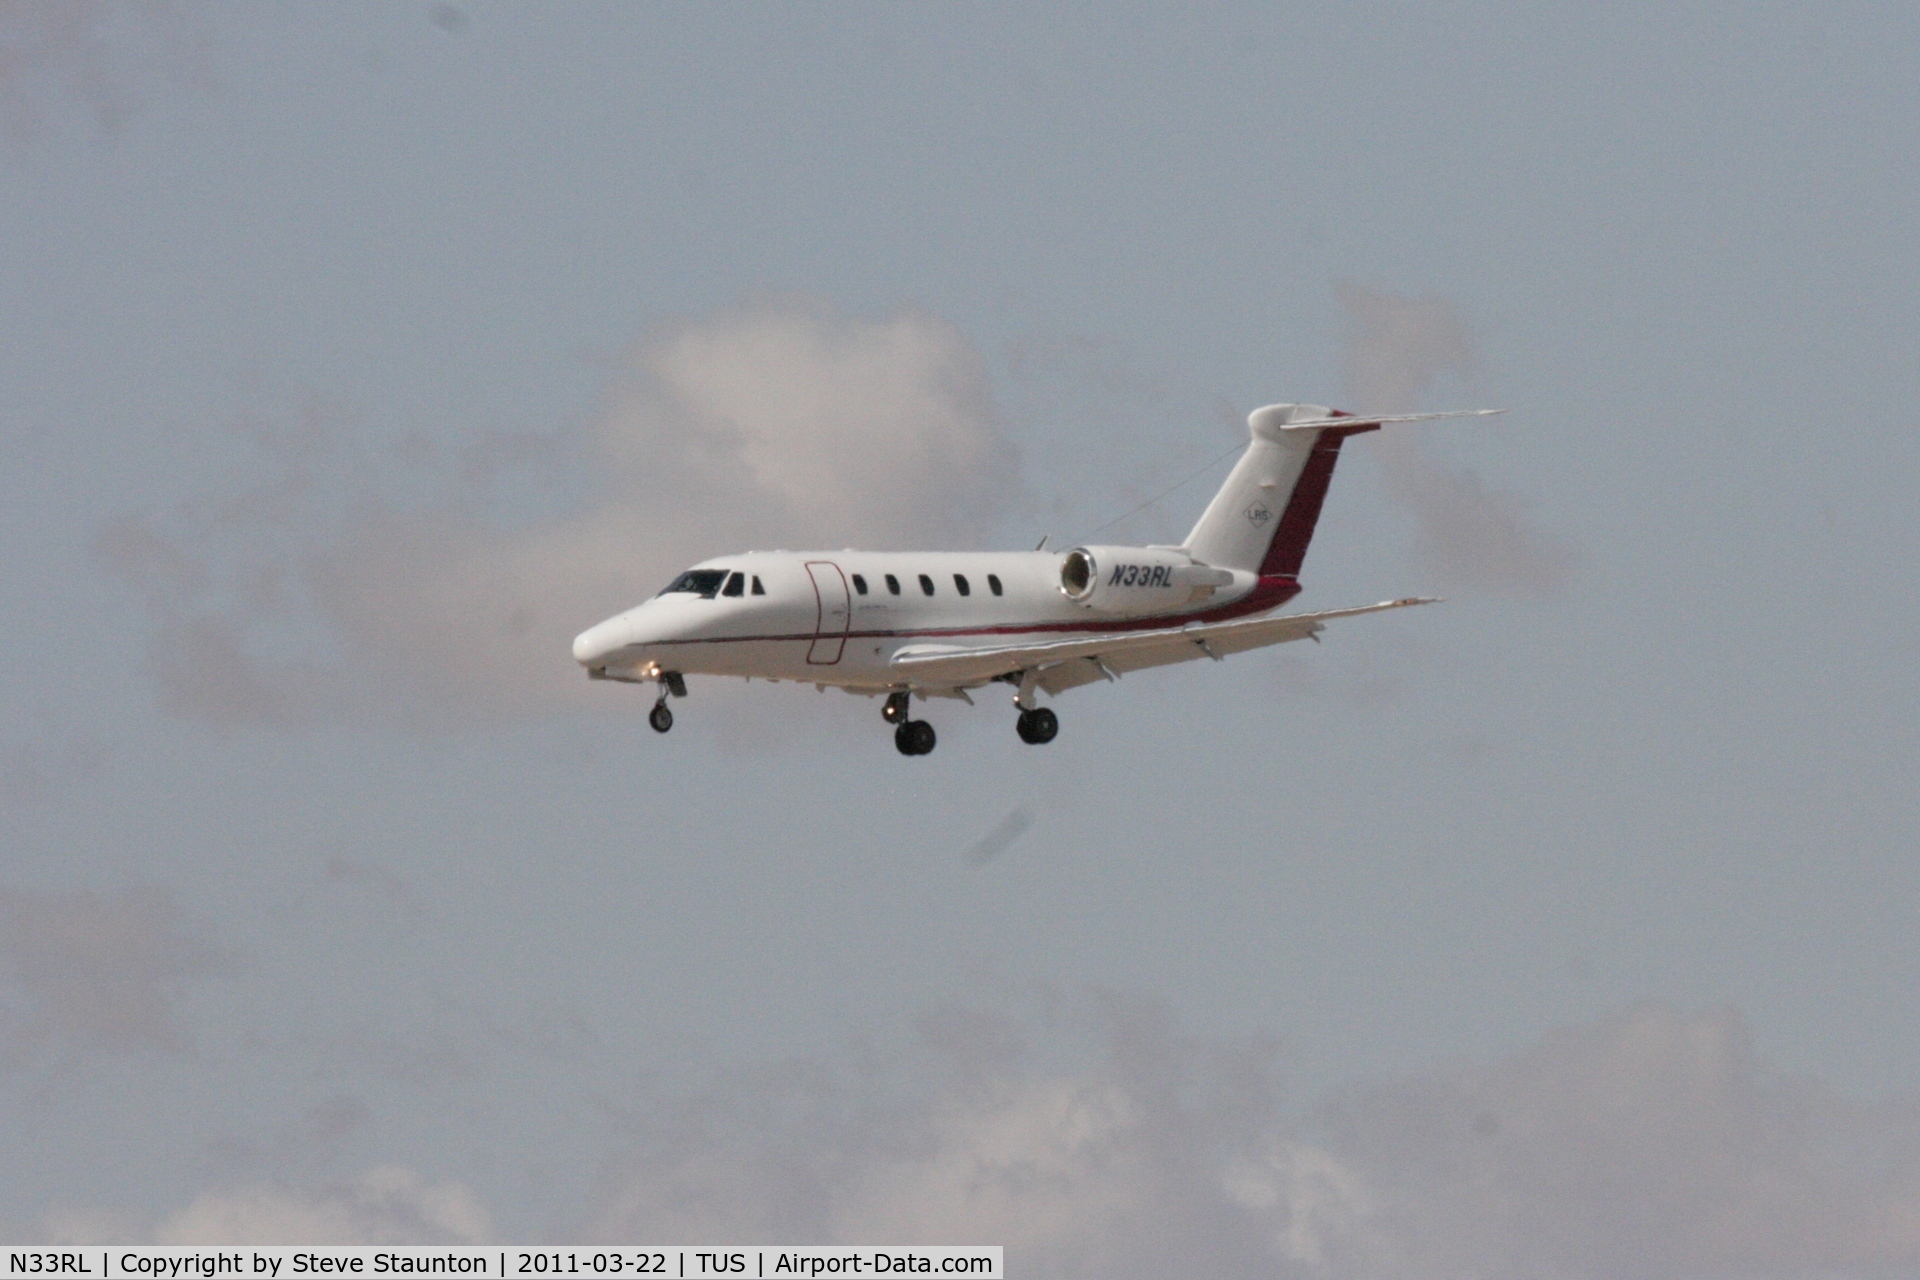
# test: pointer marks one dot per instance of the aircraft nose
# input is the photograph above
(596, 642)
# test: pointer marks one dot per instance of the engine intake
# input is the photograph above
(1077, 574)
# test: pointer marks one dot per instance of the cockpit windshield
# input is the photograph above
(704, 583)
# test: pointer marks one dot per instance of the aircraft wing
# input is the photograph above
(1062, 664)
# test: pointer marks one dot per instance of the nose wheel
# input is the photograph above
(1037, 726)
(671, 682)
(914, 738)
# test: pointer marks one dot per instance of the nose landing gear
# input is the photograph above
(661, 717)
(914, 738)
(895, 711)
(1037, 726)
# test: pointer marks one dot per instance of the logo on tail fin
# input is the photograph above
(1258, 515)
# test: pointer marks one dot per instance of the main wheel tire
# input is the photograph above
(923, 736)
(1038, 725)
(903, 739)
(660, 717)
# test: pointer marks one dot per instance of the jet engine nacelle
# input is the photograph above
(1139, 579)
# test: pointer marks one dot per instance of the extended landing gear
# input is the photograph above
(1037, 726)
(661, 718)
(914, 738)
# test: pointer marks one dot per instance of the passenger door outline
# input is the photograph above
(835, 612)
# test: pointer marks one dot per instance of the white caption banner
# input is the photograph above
(565, 1262)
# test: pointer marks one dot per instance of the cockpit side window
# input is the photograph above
(704, 583)
(736, 585)
(757, 588)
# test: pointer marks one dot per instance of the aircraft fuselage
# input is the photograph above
(838, 617)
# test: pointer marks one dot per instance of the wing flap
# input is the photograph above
(1071, 674)
(1091, 658)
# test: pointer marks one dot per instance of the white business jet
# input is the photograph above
(937, 624)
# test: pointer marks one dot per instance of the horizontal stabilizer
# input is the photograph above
(1117, 652)
(1361, 420)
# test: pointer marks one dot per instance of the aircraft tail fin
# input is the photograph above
(1264, 515)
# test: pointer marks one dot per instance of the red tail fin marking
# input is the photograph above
(1290, 539)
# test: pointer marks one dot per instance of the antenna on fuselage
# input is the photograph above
(1167, 492)
(1042, 545)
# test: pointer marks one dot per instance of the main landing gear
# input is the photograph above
(1037, 726)
(913, 737)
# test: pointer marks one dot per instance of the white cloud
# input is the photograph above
(1316, 1203)
(1472, 537)
(109, 57)
(1115, 1172)
(98, 971)
(774, 424)
(48, 764)
(387, 1205)
(1650, 1144)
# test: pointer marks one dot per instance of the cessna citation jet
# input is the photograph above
(938, 624)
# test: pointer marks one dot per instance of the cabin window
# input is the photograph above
(960, 584)
(704, 583)
(893, 585)
(736, 585)
(993, 584)
(757, 588)
(926, 585)
(859, 584)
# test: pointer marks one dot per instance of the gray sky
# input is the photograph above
(356, 356)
